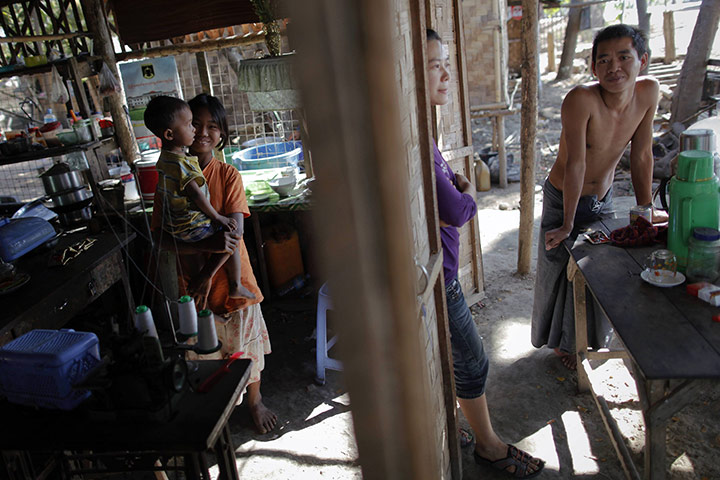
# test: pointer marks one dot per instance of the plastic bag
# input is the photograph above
(58, 90)
(108, 83)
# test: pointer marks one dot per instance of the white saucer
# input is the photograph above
(665, 280)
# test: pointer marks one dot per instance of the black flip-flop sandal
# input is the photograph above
(515, 457)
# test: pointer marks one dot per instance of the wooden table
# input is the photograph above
(668, 336)
(297, 202)
(84, 444)
(55, 294)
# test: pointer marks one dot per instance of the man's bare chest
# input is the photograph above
(611, 133)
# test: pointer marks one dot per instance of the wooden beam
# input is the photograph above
(192, 47)
(42, 38)
(528, 131)
(103, 46)
(464, 98)
(456, 153)
(204, 72)
(76, 80)
(493, 113)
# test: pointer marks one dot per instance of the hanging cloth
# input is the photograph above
(269, 83)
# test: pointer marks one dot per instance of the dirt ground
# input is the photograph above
(532, 397)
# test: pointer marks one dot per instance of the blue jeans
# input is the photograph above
(470, 363)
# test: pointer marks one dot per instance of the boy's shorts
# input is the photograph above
(197, 234)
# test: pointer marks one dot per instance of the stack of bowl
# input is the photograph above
(70, 197)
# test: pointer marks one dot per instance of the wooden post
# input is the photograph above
(669, 34)
(77, 84)
(502, 157)
(363, 229)
(103, 46)
(528, 122)
(204, 72)
(551, 52)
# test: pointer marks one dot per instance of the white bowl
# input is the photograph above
(260, 197)
(283, 185)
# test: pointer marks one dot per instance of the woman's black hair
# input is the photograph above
(217, 112)
(433, 35)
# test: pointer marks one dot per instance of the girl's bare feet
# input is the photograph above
(264, 418)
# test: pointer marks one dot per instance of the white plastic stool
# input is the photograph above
(324, 362)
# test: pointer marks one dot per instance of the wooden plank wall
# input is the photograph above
(455, 141)
(410, 116)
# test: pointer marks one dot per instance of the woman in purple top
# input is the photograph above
(456, 206)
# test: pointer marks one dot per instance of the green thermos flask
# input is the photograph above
(694, 201)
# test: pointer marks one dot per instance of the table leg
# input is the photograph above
(581, 340)
(192, 467)
(651, 392)
(260, 255)
(225, 454)
(660, 401)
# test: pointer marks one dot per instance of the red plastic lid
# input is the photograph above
(105, 123)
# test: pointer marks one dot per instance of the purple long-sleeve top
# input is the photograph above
(455, 208)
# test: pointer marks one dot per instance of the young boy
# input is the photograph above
(599, 120)
(187, 212)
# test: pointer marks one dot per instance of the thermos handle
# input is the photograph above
(662, 193)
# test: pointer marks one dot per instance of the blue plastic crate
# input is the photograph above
(41, 367)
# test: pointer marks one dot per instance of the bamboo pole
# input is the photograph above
(42, 38)
(103, 46)
(528, 130)
(192, 47)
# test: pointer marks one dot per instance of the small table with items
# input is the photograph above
(297, 200)
(54, 294)
(669, 338)
(82, 444)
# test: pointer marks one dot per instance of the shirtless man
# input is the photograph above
(599, 119)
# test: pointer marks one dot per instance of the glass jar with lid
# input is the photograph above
(703, 255)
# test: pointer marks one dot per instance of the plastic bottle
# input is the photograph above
(295, 284)
(482, 176)
(703, 255)
(96, 117)
(49, 116)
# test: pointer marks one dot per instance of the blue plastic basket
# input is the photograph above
(270, 155)
(41, 367)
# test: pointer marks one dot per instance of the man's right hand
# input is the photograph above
(554, 237)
